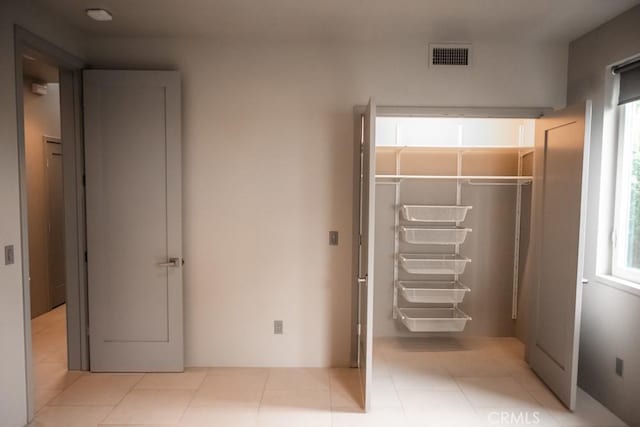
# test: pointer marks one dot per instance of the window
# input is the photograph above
(626, 235)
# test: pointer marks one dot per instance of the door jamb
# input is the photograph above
(70, 70)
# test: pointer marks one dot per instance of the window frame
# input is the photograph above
(620, 241)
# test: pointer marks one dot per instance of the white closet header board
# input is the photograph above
(454, 132)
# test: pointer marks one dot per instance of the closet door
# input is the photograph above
(364, 278)
(134, 220)
(560, 188)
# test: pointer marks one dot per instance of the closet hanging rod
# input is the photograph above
(468, 179)
(498, 183)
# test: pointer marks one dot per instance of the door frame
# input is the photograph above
(408, 111)
(70, 71)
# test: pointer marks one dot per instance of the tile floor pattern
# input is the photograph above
(439, 382)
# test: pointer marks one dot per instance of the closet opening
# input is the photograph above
(469, 297)
(452, 231)
(453, 209)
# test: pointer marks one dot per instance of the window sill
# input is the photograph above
(618, 283)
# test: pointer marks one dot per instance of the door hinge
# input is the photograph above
(88, 331)
(359, 327)
(86, 256)
(84, 180)
(360, 239)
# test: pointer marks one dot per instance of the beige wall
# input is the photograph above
(41, 118)
(268, 171)
(12, 353)
(610, 316)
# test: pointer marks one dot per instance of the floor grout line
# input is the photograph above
(121, 399)
(188, 405)
(264, 389)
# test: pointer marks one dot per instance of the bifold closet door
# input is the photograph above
(560, 200)
(364, 278)
(134, 220)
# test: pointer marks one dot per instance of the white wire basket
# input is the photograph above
(433, 263)
(423, 213)
(433, 319)
(432, 291)
(434, 236)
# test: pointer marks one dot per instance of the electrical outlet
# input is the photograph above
(333, 238)
(9, 255)
(619, 366)
(278, 327)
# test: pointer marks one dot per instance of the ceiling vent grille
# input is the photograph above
(447, 55)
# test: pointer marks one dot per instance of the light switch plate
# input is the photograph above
(278, 327)
(619, 366)
(9, 255)
(333, 238)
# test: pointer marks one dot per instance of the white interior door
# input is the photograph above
(560, 188)
(56, 236)
(366, 251)
(134, 224)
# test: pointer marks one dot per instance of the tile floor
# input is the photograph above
(440, 382)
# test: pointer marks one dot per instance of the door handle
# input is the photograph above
(585, 281)
(172, 262)
(362, 280)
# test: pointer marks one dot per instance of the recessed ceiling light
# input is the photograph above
(99, 14)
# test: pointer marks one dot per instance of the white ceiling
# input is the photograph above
(434, 20)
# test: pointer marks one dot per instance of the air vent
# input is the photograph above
(448, 55)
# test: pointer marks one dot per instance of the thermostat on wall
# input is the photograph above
(39, 89)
